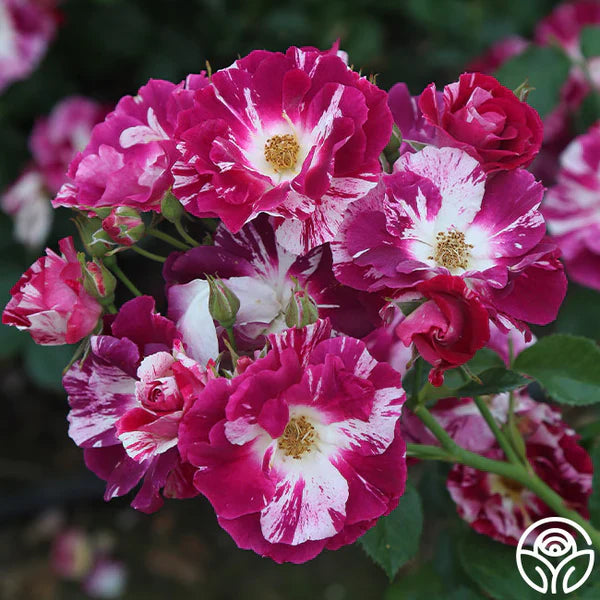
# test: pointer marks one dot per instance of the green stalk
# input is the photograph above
(165, 237)
(185, 235)
(502, 440)
(150, 255)
(452, 452)
(124, 279)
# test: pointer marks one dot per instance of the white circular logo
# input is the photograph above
(550, 565)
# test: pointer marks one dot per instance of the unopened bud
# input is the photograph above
(96, 241)
(301, 310)
(98, 281)
(124, 225)
(171, 209)
(223, 304)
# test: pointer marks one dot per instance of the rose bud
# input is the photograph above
(124, 225)
(50, 300)
(223, 304)
(98, 280)
(448, 328)
(301, 310)
(486, 120)
(95, 239)
(171, 209)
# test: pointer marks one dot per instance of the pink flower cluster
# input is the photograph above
(272, 386)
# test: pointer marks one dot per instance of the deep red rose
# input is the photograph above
(449, 327)
(486, 120)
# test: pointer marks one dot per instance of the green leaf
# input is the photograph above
(492, 566)
(546, 69)
(567, 367)
(463, 593)
(594, 504)
(589, 38)
(493, 381)
(484, 359)
(580, 312)
(44, 364)
(412, 387)
(395, 538)
(587, 113)
(424, 584)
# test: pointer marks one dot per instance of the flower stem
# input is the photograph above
(185, 235)
(124, 279)
(502, 440)
(150, 255)
(452, 452)
(165, 237)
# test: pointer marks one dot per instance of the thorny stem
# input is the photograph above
(453, 453)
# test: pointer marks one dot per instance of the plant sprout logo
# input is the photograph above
(552, 562)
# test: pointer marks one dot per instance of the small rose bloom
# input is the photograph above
(572, 208)
(124, 225)
(50, 300)
(302, 451)
(295, 135)
(449, 327)
(486, 120)
(502, 508)
(127, 399)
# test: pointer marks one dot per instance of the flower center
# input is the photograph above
(451, 250)
(281, 152)
(507, 488)
(298, 437)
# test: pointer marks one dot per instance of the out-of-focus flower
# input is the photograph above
(498, 54)
(309, 435)
(50, 300)
(28, 203)
(107, 579)
(26, 28)
(56, 139)
(296, 135)
(572, 208)
(502, 508)
(486, 119)
(72, 553)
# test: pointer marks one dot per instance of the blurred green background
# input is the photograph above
(105, 49)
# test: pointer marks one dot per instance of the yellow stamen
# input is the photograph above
(298, 437)
(281, 152)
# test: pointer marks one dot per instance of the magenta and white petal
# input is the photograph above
(188, 307)
(308, 503)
